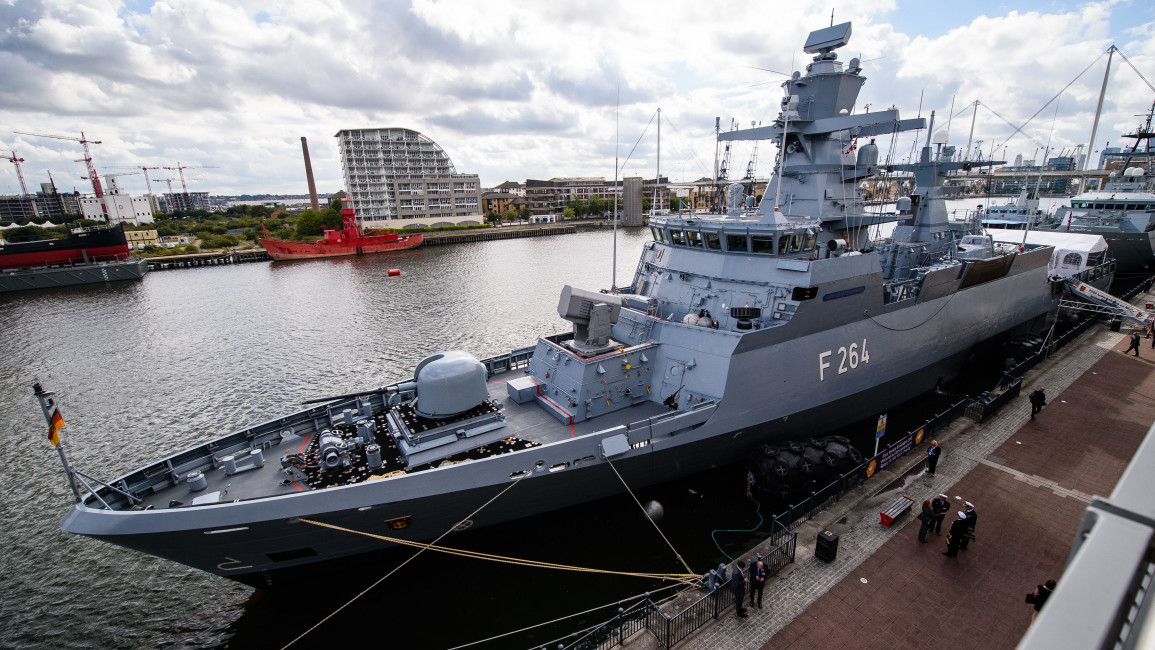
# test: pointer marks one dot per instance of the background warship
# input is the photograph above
(761, 324)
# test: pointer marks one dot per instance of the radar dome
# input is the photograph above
(940, 137)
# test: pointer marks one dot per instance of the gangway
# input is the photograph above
(1088, 298)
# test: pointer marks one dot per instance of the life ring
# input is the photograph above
(918, 435)
(871, 467)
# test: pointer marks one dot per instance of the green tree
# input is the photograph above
(510, 215)
(568, 213)
(524, 213)
(312, 224)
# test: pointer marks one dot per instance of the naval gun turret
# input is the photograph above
(593, 315)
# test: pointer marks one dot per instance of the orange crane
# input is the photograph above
(87, 156)
(16, 161)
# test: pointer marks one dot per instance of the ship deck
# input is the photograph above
(526, 425)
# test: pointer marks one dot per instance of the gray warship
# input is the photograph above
(1123, 210)
(774, 321)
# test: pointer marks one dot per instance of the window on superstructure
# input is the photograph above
(762, 244)
(694, 238)
(713, 241)
(808, 240)
(1072, 261)
(676, 238)
(736, 243)
(659, 234)
(783, 244)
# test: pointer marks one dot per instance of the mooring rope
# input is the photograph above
(689, 571)
(504, 559)
(398, 567)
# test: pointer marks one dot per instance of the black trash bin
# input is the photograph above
(826, 548)
(1116, 324)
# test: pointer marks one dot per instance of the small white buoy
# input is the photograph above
(654, 510)
(862, 580)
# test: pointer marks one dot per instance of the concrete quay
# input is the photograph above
(1030, 482)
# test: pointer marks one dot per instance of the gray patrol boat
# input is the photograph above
(770, 322)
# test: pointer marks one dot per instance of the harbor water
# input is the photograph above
(144, 369)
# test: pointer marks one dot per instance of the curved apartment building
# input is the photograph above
(399, 178)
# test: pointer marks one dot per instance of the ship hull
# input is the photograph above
(287, 250)
(1133, 251)
(775, 389)
(95, 245)
(69, 275)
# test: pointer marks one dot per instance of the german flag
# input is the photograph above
(55, 424)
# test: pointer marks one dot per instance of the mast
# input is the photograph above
(1095, 123)
(617, 128)
(658, 173)
(970, 137)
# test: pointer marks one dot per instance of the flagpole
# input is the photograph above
(48, 406)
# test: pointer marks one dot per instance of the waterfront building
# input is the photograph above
(399, 178)
(500, 203)
(511, 187)
(117, 206)
(138, 239)
(187, 201)
(17, 208)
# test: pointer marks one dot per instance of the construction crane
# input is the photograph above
(180, 170)
(16, 161)
(143, 170)
(87, 156)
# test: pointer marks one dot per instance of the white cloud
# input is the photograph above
(512, 90)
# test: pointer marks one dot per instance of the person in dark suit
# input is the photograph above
(757, 582)
(1135, 339)
(738, 588)
(932, 455)
(971, 517)
(955, 536)
(1042, 593)
(940, 505)
(927, 519)
(1038, 401)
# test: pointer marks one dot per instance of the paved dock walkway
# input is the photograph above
(1030, 483)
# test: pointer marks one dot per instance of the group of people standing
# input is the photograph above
(961, 531)
(755, 577)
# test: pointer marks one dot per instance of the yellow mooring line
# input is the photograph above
(687, 578)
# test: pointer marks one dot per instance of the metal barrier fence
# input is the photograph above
(670, 630)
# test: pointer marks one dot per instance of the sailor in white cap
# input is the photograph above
(940, 506)
(955, 536)
(971, 517)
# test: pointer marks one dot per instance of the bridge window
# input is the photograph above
(809, 240)
(762, 244)
(736, 243)
(694, 238)
(677, 238)
(659, 234)
(713, 242)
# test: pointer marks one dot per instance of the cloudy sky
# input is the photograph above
(515, 90)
